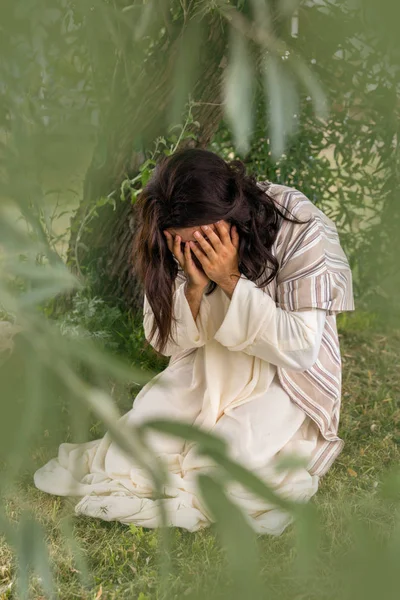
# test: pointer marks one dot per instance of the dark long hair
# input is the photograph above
(197, 187)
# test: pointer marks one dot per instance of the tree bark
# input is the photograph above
(135, 120)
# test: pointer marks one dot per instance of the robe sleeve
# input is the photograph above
(314, 271)
(254, 324)
(313, 280)
(188, 333)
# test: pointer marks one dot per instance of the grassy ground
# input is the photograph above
(124, 560)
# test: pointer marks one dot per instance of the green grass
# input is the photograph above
(124, 560)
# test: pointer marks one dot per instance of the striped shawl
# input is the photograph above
(313, 272)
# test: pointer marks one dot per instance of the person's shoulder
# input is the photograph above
(294, 203)
(289, 198)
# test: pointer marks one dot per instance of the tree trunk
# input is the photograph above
(104, 246)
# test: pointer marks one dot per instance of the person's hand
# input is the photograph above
(197, 279)
(219, 256)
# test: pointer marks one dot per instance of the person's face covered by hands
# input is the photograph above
(187, 235)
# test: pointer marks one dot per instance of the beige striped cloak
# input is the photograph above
(313, 272)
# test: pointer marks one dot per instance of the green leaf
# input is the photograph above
(287, 7)
(34, 378)
(149, 163)
(149, 20)
(283, 113)
(238, 91)
(188, 432)
(129, 438)
(187, 66)
(290, 462)
(32, 555)
(237, 537)
(216, 448)
(314, 88)
(84, 575)
(249, 480)
(307, 529)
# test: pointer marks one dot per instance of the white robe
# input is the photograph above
(221, 377)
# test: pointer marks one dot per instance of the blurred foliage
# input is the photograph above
(310, 98)
(317, 105)
(348, 163)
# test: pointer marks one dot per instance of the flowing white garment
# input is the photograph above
(221, 377)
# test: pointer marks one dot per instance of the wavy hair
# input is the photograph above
(194, 187)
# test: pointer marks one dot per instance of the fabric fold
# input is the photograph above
(186, 333)
(314, 271)
(255, 325)
(249, 309)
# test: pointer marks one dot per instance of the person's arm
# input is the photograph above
(254, 324)
(191, 308)
(194, 297)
